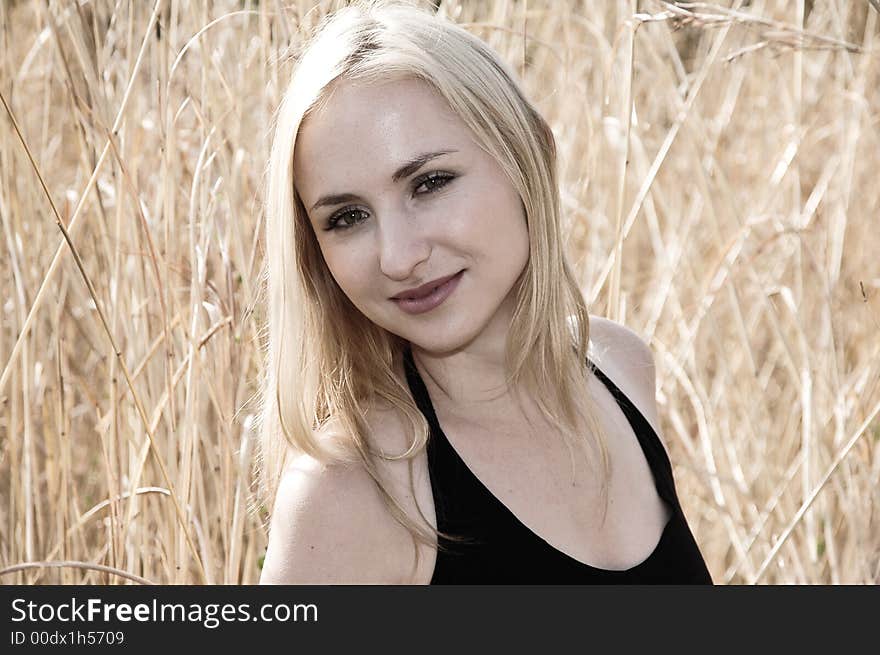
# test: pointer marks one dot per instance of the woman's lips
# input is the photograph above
(430, 301)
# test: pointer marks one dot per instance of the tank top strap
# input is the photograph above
(419, 391)
(441, 454)
(458, 493)
(655, 452)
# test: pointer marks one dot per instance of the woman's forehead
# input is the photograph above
(375, 125)
(401, 104)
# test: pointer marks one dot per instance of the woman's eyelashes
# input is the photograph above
(349, 217)
(433, 181)
(341, 220)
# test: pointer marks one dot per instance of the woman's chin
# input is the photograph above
(442, 342)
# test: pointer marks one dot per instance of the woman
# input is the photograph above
(429, 411)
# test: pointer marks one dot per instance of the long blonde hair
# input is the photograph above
(324, 361)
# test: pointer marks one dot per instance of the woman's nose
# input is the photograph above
(402, 246)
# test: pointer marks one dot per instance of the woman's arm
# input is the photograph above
(330, 526)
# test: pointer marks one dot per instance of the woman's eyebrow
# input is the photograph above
(407, 169)
(416, 163)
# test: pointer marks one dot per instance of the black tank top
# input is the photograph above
(499, 549)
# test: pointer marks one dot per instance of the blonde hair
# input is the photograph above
(325, 361)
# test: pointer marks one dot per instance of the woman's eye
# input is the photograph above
(345, 218)
(433, 182)
(351, 216)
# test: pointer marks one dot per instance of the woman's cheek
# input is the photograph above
(351, 273)
(336, 264)
(455, 221)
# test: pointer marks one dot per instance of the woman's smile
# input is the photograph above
(427, 297)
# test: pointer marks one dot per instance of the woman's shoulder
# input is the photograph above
(626, 359)
(619, 346)
(330, 525)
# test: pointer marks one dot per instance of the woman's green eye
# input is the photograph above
(345, 218)
(433, 181)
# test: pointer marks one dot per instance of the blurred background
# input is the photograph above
(720, 177)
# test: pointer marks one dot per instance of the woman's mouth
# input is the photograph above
(434, 297)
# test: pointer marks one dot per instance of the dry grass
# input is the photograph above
(733, 222)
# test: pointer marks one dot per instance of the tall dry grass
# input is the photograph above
(719, 175)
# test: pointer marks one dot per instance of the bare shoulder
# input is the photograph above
(623, 355)
(330, 526)
(622, 347)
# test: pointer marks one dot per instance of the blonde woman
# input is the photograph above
(430, 413)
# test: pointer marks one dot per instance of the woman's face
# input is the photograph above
(399, 196)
